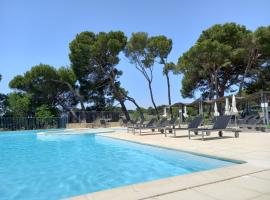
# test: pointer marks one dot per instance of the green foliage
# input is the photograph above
(216, 62)
(19, 104)
(262, 36)
(43, 111)
(47, 86)
(138, 52)
(160, 47)
(3, 102)
(261, 82)
(142, 51)
(66, 74)
(224, 56)
(261, 77)
(93, 58)
(168, 67)
(200, 63)
(18, 82)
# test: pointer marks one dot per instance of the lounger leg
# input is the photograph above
(220, 134)
(188, 134)
(236, 134)
(140, 131)
(165, 132)
(174, 132)
(202, 135)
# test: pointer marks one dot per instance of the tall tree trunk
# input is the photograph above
(152, 99)
(216, 82)
(211, 89)
(77, 95)
(169, 93)
(254, 55)
(125, 96)
(211, 86)
(244, 76)
(80, 99)
(124, 109)
(118, 95)
(135, 103)
(70, 110)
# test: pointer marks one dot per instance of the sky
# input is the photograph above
(35, 31)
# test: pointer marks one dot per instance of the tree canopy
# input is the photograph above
(160, 47)
(217, 61)
(48, 87)
(3, 101)
(94, 58)
(141, 52)
(225, 58)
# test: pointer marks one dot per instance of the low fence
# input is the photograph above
(92, 116)
(31, 123)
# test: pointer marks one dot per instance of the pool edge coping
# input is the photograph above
(236, 161)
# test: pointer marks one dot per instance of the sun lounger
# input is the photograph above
(245, 120)
(103, 123)
(219, 126)
(161, 124)
(134, 124)
(143, 124)
(195, 123)
(167, 124)
(251, 122)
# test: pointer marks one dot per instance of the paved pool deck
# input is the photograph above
(247, 181)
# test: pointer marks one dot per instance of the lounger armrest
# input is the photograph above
(199, 129)
(233, 129)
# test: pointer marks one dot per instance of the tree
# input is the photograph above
(260, 82)
(67, 78)
(258, 49)
(35, 83)
(138, 52)
(44, 112)
(160, 47)
(216, 62)
(203, 66)
(168, 67)
(3, 102)
(49, 87)
(19, 104)
(93, 85)
(261, 79)
(96, 55)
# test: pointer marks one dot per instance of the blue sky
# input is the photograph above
(33, 32)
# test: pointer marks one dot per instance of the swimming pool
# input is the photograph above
(51, 166)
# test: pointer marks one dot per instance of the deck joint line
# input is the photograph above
(219, 181)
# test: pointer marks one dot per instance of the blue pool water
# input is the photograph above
(42, 167)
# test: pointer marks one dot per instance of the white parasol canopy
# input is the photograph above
(227, 107)
(234, 110)
(165, 112)
(216, 113)
(185, 112)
